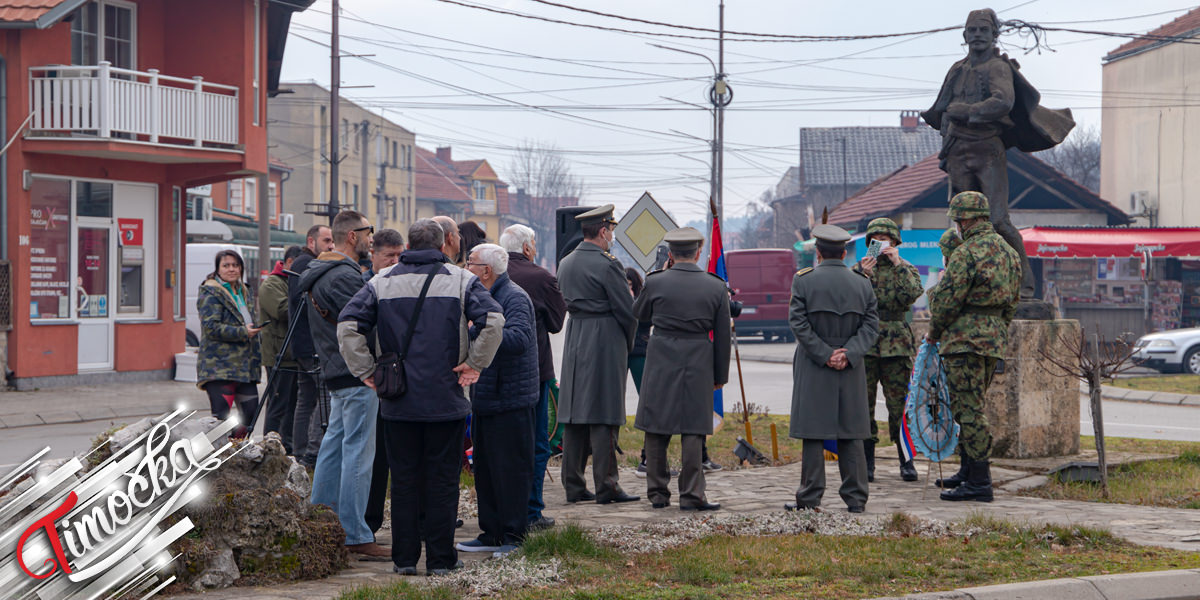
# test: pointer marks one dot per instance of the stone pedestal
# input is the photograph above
(1032, 410)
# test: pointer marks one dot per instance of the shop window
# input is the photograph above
(94, 199)
(50, 249)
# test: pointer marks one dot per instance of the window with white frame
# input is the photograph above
(235, 195)
(273, 193)
(105, 30)
(250, 186)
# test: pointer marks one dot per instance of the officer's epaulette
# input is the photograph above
(610, 256)
(804, 271)
(717, 276)
(656, 272)
(861, 273)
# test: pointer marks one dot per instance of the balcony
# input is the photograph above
(119, 105)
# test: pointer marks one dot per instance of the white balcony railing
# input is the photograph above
(104, 100)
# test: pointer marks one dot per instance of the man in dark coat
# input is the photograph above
(834, 318)
(502, 412)
(549, 312)
(595, 359)
(986, 106)
(385, 252)
(687, 358)
(424, 427)
(273, 311)
(342, 477)
(306, 424)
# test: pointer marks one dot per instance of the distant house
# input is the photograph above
(915, 197)
(538, 213)
(1150, 134)
(461, 189)
(837, 162)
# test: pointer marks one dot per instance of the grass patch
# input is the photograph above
(399, 590)
(813, 566)
(1173, 483)
(724, 440)
(565, 542)
(1178, 384)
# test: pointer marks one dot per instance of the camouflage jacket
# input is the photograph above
(227, 352)
(896, 288)
(973, 304)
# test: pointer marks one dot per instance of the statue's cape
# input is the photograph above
(1035, 127)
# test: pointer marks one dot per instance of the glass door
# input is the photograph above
(93, 296)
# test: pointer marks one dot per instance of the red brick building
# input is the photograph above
(113, 109)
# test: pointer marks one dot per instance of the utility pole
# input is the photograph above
(335, 80)
(365, 137)
(720, 100)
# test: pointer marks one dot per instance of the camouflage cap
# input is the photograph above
(886, 226)
(968, 205)
(948, 242)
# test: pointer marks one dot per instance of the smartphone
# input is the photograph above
(874, 248)
(263, 324)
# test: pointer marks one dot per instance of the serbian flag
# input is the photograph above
(716, 265)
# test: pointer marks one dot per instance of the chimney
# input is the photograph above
(909, 120)
(443, 154)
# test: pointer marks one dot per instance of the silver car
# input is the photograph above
(1177, 350)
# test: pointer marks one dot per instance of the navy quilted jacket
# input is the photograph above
(512, 381)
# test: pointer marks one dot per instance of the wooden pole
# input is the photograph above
(742, 386)
(774, 445)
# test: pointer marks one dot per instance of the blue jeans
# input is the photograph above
(342, 479)
(541, 452)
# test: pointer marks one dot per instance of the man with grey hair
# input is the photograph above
(452, 244)
(424, 427)
(502, 418)
(549, 311)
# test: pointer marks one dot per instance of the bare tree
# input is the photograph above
(754, 232)
(1094, 363)
(544, 182)
(1078, 157)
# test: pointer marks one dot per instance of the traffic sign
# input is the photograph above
(641, 230)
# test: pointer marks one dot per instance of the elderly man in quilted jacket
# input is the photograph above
(503, 404)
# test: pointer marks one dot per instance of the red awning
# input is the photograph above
(1116, 242)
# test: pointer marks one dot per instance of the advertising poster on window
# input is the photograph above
(93, 272)
(50, 249)
(920, 247)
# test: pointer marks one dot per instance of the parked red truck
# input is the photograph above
(762, 280)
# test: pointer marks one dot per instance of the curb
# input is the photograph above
(1154, 585)
(12, 421)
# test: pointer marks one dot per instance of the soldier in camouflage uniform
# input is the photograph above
(897, 285)
(970, 310)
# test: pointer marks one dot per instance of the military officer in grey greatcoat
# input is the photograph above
(834, 318)
(600, 332)
(686, 305)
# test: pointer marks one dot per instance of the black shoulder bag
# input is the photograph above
(391, 382)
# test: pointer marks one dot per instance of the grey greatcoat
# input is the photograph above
(600, 334)
(685, 304)
(832, 307)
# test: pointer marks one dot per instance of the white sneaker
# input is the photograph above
(505, 549)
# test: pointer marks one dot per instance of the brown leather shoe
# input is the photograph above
(370, 551)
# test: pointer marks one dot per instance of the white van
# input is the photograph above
(200, 260)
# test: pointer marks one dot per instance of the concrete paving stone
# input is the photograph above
(22, 420)
(1026, 483)
(1059, 589)
(1166, 398)
(1183, 584)
(1138, 396)
(127, 412)
(67, 416)
(95, 413)
(1190, 400)
(1110, 392)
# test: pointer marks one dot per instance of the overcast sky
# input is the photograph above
(484, 83)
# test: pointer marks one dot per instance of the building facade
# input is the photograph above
(375, 175)
(1150, 133)
(114, 108)
(465, 190)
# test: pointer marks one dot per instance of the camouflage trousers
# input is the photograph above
(968, 377)
(893, 372)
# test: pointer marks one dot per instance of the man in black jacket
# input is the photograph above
(549, 312)
(306, 431)
(342, 478)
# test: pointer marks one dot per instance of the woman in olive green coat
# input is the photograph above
(229, 362)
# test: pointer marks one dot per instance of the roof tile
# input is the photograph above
(25, 11)
(870, 153)
(1186, 25)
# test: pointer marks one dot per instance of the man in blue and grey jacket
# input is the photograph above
(424, 428)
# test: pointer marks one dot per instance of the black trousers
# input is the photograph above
(425, 459)
(281, 406)
(503, 474)
(306, 424)
(379, 481)
(599, 441)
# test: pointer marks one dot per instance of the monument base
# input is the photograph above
(1032, 410)
(1035, 309)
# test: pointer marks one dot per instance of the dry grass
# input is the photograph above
(1178, 384)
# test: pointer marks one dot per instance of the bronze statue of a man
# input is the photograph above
(984, 108)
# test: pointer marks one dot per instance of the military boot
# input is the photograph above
(958, 478)
(869, 450)
(978, 485)
(908, 472)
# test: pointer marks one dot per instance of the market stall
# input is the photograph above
(1119, 280)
